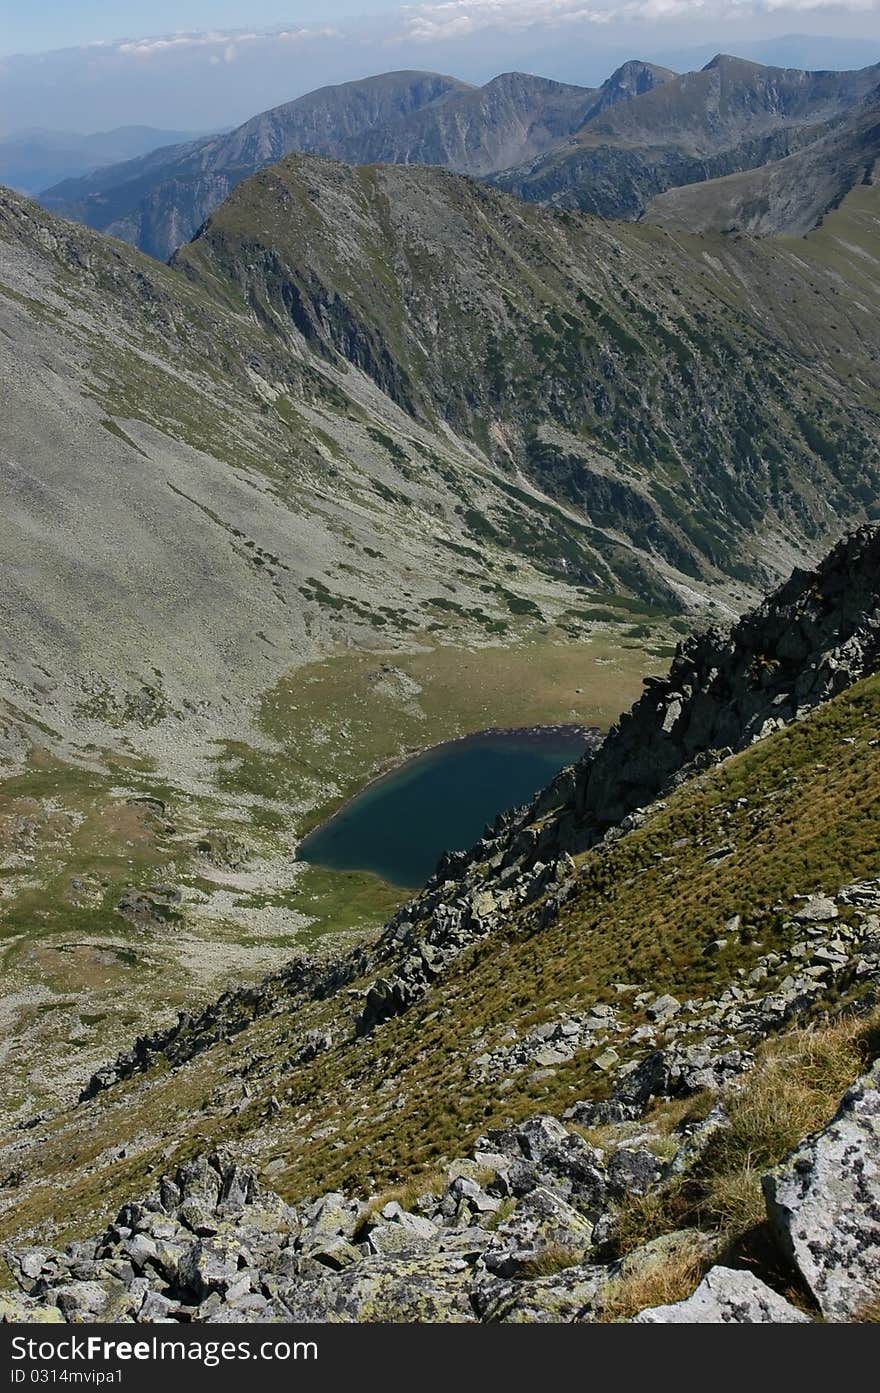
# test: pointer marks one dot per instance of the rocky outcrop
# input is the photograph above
(824, 1204)
(231, 1013)
(814, 637)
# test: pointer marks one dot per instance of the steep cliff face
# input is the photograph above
(815, 636)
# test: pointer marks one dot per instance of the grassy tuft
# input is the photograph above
(660, 1284)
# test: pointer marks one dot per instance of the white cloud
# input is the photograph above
(224, 42)
(450, 19)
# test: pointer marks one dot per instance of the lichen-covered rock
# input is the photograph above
(16, 1310)
(726, 1297)
(824, 1204)
(424, 1289)
(562, 1297)
(541, 1225)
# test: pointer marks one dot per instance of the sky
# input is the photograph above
(200, 65)
(51, 24)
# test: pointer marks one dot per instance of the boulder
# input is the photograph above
(817, 910)
(211, 1265)
(542, 1227)
(823, 1202)
(633, 1171)
(18, 1310)
(81, 1300)
(422, 1289)
(726, 1297)
(569, 1295)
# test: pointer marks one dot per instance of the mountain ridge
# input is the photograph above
(791, 195)
(606, 150)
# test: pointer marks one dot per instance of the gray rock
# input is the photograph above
(423, 1289)
(663, 1008)
(633, 1171)
(541, 1225)
(393, 1240)
(824, 1204)
(726, 1297)
(80, 1299)
(563, 1297)
(157, 1308)
(210, 1265)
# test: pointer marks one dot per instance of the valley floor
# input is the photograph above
(126, 896)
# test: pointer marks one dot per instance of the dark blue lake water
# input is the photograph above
(399, 826)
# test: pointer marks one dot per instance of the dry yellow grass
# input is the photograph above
(660, 1284)
(426, 1183)
(869, 1313)
(794, 1089)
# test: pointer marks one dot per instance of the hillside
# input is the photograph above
(692, 995)
(272, 526)
(157, 202)
(729, 117)
(513, 118)
(790, 195)
(602, 362)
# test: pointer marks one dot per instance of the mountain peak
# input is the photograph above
(729, 61)
(633, 78)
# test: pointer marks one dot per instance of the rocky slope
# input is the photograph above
(516, 1235)
(790, 195)
(601, 362)
(713, 957)
(513, 118)
(730, 116)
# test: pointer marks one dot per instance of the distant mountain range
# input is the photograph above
(31, 160)
(730, 116)
(609, 150)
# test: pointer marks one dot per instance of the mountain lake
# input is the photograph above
(400, 824)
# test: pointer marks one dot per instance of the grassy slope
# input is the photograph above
(797, 808)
